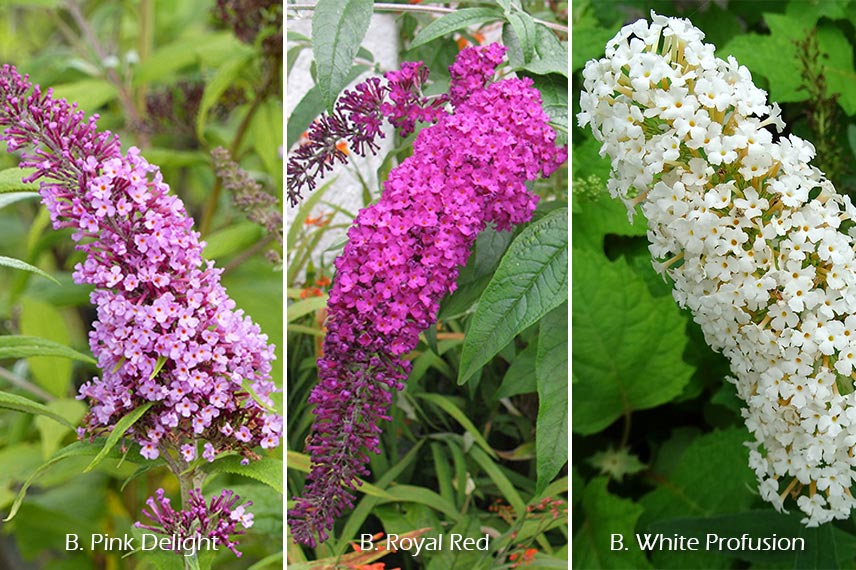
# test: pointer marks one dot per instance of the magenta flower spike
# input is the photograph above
(403, 256)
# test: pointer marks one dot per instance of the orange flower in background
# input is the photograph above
(322, 281)
(342, 146)
(319, 221)
(311, 292)
(524, 559)
(463, 42)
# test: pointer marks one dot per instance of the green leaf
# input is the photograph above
(851, 138)
(43, 320)
(687, 490)
(20, 404)
(552, 55)
(15, 346)
(486, 254)
(606, 515)
(825, 547)
(305, 306)
(554, 96)
(158, 367)
(51, 433)
(453, 22)
(593, 46)
(551, 372)
(10, 198)
(421, 495)
(267, 470)
(520, 377)
(500, 479)
(776, 56)
(269, 562)
(24, 266)
(232, 239)
(627, 345)
(267, 138)
(312, 106)
(601, 217)
(525, 30)
(450, 408)
(338, 29)
(89, 94)
(10, 180)
(223, 79)
(531, 280)
(185, 52)
(118, 432)
(712, 477)
(75, 449)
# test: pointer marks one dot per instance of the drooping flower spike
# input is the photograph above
(758, 244)
(403, 256)
(167, 333)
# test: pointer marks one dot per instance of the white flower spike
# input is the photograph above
(758, 244)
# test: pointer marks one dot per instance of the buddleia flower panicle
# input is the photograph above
(217, 520)
(403, 256)
(757, 242)
(166, 333)
(357, 121)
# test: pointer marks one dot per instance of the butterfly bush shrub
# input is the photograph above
(758, 244)
(168, 339)
(469, 169)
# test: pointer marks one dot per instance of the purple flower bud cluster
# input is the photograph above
(216, 520)
(167, 332)
(408, 104)
(357, 120)
(402, 258)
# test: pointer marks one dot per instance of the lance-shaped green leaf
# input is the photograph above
(457, 20)
(627, 345)
(10, 180)
(18, 346)
(338, 29)
(118, 432)
(24, 266)
(20, 404)
(76, 449)
(551, 374)
(525, 29)
(450, 408)
(531, 280)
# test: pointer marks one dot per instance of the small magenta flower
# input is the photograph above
(402, 258)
